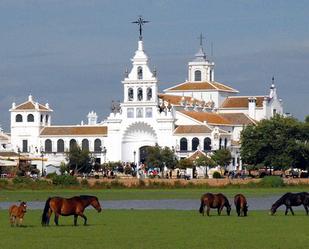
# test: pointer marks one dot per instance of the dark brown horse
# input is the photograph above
(17, 213)
(71, 206)
(241, 205)
(291, 199)
(217, 201)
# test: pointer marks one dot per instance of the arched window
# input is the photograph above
(48, 146)
(130, 94)
(220, 143)
(225, 143)
(19, 118)
(72, 144)
(140, 94)
(183, 144)
(195, 143)
(60, 145)
(97, 145)
(139, 73)
(197, 75)
(42, 118)
(46, 118)
(30, 118)
(85, 144)
(207, 143)
(149, 93)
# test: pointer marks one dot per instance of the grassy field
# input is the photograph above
(159, 229)
(142, 194)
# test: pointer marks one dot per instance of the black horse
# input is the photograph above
(291, 199)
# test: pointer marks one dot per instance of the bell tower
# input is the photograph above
(140, 84)
(201, 69)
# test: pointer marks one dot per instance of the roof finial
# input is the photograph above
(201, 37)
(140, 21)
(273, 80)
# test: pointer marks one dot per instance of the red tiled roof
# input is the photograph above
(30, 105)
(74, 130)
(195, 86)
(184, 129)
(241, 102)
(209, 117)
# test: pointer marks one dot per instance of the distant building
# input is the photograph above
(199, 114)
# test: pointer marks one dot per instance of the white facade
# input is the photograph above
(199, 114)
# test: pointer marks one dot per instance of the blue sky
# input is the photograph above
(73, 53)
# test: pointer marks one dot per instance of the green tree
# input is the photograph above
(185, 163)
(222, 157)
(160, 157)
(280, 143)
(79, 160)
(205, 161)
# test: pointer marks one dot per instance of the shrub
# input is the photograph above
(3, 183)
(141, 184)
(84, 183)
(117, 184)
(22, 180)
(51, 175)
(65, 180)
(272, 181)
(216, 175)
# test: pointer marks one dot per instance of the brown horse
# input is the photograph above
(71, 206)
(241, 204)
(214, 201)
(17, 213)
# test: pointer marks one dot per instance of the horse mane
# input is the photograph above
(281, 199)
(87, 197)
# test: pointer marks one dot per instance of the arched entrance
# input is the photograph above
(136, 138)
(143, 153)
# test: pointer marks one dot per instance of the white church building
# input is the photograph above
(199, 114)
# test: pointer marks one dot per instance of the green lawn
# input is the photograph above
(142, 194)
(159, 229)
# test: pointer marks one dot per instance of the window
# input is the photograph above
(197, 75)
(25, 146)
(210, 76)
(139, 94)
(46, 118)
(139, 112)
(183, 144)
(139, 73)
(72, 144)
(130, 94)
(85, 144)
(220, 143)
(207, 143)
(97, 145)
(149, 93)
(19, 118)
(48, 145)
(30, 118)
(42, 118)
(225, 142)
(130, 112)
(274, 112)
(148, 112)
(195, 143)
(60, 145)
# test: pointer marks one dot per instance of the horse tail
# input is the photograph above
(202, 206)
(45, 217)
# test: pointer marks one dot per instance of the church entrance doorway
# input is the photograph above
(143, 153)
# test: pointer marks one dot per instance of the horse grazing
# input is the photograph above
(241, 204)
(17, 213)
(214, 201)
(289, 200)
(71, 206)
